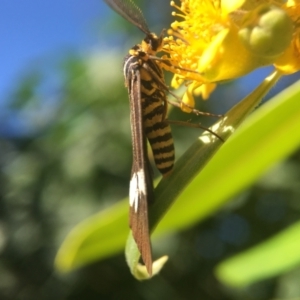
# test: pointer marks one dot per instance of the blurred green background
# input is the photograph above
(76, 161)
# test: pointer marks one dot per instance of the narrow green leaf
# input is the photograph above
(279, 254)
(105, 233)
(267, 136)
(99, 236)
(187, 167)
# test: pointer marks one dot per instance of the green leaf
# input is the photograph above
(270, 134)
(279, 254)
(99, 236)
(187, 210)
(253, 148)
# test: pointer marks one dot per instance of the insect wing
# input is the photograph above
(130, 12)
(141, 186)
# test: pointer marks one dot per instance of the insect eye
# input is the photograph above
(154, 42)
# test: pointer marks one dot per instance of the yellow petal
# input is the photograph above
(205, 90)
(188, 102)
(228, 58)
(229, 6)
(289, 62)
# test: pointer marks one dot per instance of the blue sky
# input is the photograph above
(33, 29)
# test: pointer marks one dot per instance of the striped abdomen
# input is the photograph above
(157, 130)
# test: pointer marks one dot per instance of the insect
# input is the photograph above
(148, 107)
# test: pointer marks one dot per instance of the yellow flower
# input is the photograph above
(221, 40)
